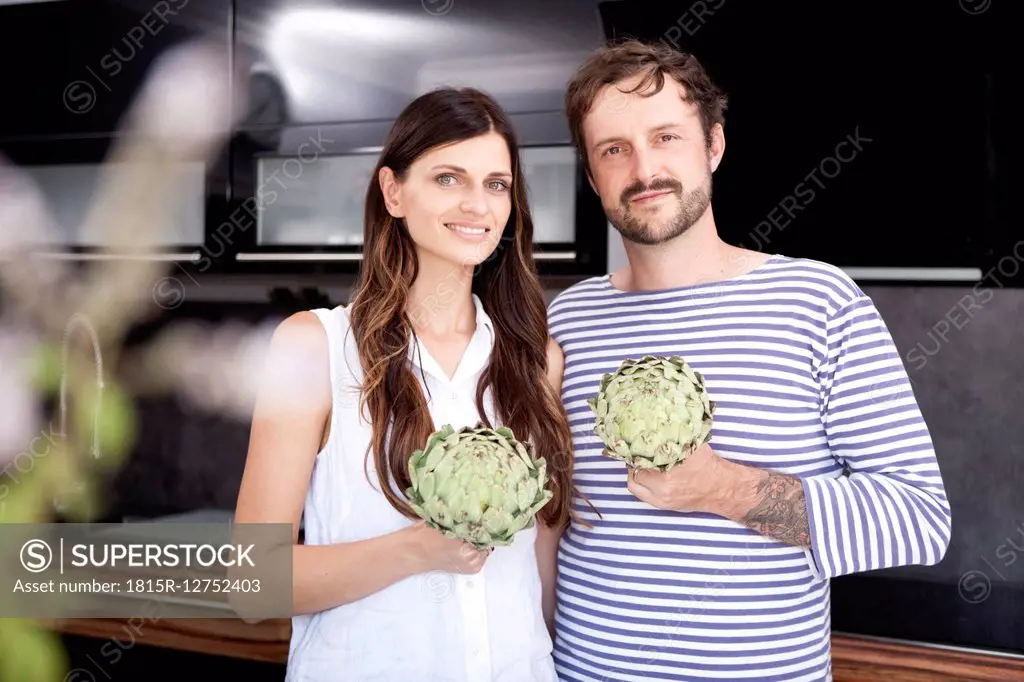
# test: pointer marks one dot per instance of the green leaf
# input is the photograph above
(496, 521)
(524, 496)
(498, 496)
(47, 368)
(28, 652)
(434, 455)
(414, 466)
(109, 416)
(419, 511)
(544, 499)
(428, 484)
(521, 521)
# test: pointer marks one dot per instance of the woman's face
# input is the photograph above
(456, 199)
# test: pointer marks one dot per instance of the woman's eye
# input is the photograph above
(441, 179)
(499, 186)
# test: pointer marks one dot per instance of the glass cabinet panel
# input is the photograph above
(317, 202)
(551, 182)
(320, 202)
(69, 191)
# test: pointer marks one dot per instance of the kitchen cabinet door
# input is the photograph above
(73, 67)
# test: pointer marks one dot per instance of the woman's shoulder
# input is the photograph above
(309, 333)
(554, 352)
(300, 335)
(306, 325)
(302, 328)
(556, 361)
(296, 363)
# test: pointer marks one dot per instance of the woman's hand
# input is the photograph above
(439, 553)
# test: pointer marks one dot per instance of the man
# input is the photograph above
(820, 463)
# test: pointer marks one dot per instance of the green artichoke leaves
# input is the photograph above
(652, 413)
(477, 484)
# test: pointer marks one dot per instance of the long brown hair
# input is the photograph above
(509, 289)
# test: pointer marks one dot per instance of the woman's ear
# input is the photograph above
(392, 192)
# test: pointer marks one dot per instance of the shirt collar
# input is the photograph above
(475, 357)
(482, 318)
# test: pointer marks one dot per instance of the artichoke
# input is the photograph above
(652, 413)
(477, 484)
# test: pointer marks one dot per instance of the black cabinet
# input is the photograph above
(68, 172)
(874, 138)
(74, 69)
(362, 60)
(326, 81)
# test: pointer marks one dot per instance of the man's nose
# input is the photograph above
(643, 168)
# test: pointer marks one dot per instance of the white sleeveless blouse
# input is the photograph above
(432, 627)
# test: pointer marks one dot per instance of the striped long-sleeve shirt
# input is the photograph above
(807, 382)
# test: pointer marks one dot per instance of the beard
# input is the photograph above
(690, 206)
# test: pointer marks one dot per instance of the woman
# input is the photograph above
(447, 325)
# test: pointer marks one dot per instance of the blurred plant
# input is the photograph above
(63, 326)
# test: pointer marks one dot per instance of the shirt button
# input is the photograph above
(469, 584)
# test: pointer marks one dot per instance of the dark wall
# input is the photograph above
(961, 347)
(188, 455)
(966, 366)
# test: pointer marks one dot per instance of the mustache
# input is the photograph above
(659, 185)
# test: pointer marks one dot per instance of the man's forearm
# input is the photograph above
(771, 503)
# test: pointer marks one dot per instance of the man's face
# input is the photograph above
(649, 161)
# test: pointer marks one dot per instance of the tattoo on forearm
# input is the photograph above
(780, 511)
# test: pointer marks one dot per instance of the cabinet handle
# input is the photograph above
(311, 256)
(163, 257)
(285, 257)
(554, 255)
(914, 274)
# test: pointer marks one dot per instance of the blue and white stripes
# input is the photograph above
(807, 382)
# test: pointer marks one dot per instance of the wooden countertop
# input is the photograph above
(854, 659)
(265, 641)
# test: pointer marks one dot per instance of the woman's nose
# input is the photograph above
(475, 202)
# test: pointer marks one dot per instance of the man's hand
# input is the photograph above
(768, 502)
(690, 486)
